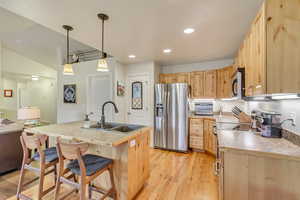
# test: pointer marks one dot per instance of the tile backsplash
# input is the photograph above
(285, 107)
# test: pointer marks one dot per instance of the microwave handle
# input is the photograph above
(232, 87)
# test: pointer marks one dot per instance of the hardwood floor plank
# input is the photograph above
(174, 176)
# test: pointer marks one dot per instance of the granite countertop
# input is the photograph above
(254, 143)
(226, 118)
(11, 128)
(74, 130)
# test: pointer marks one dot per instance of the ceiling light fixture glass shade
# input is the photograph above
(68, 68)
(102, 62)
(102, 65)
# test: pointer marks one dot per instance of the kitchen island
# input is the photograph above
(129, 150)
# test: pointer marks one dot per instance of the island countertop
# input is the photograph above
(74, 130)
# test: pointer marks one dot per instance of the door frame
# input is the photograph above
(88, 88)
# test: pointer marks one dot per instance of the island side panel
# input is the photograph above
(138, 165)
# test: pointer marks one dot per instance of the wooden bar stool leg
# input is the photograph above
(57, 188)
(82, 189)
(90, 191)
(21, 180)
(111, 175)
(41, 182)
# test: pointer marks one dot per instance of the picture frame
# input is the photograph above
(137, 95)
(8, 93)
(120, 88)
(70, 94)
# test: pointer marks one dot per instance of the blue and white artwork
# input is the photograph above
(70, 93)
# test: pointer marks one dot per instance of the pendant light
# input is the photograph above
(68, 68)
(102, 63)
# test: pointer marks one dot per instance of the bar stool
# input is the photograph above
(85, 166)
(47, 158)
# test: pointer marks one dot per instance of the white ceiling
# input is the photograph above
(34, 41)
(146, 27)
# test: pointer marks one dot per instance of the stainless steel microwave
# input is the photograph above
(238, 83)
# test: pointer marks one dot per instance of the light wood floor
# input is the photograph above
(174, 176)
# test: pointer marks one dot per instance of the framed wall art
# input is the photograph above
(120, 88)
(8, 93)
(137, 95)
(70, 93)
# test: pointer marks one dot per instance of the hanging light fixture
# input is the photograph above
(102, 63)
(68, 68)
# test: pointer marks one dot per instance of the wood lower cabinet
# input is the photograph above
(210, 140)
(196, 134)
(247, 176)
(224, 86)
(202, 136)
(174, 78)
(138, 163)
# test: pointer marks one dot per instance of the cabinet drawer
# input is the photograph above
(196, 142)
(196, 131)
(194, 121)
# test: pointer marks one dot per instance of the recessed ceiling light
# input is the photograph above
(189, 30)
(131, 56)
(35, 78)
(167, 50)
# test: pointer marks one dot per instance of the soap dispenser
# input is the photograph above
(87, 121)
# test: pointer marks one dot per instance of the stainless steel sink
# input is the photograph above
(127, 128)
(119, 127)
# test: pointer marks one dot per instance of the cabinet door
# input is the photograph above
(197, 84)
(256, 51)
(224, 82)
(183, 78)
(196, 133)
(209, 137)
(162, 78)
(210, 84)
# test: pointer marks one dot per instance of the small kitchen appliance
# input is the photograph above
(269, 123)
(204, 108)
(238, 83)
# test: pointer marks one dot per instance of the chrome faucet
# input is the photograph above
(102, 123)
(290, 119)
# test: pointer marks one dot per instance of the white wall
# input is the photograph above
(76, 112)
(197, 66)
(41, 95)
(15, 63)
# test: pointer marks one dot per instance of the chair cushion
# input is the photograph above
(50, 155)
(92, 163)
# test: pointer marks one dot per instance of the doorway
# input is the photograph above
(141, 115)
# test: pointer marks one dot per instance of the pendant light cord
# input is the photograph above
(68, 46)
(102, 38)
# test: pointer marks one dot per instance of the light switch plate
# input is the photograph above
(132, 143)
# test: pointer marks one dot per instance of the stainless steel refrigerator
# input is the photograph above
(171, 117)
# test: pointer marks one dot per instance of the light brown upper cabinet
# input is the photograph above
(224, 87)
(197, 84)
(270, 51)
(174, 78)
(204, 84)
(210, 84)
